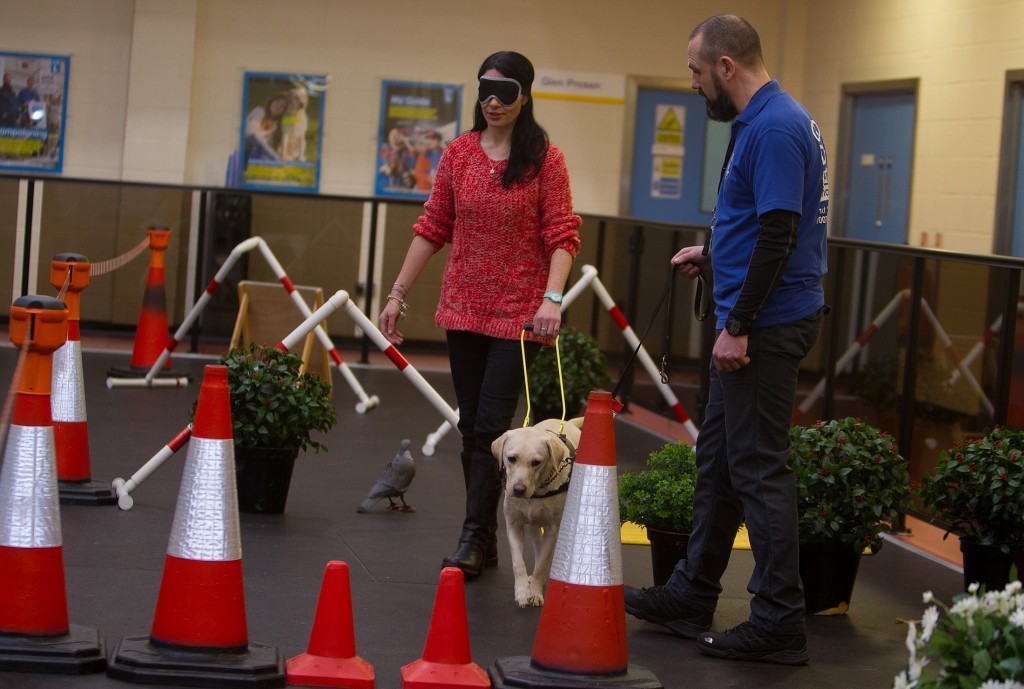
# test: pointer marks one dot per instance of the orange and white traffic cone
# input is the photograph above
(199, 634)
(70, 273)
(581, 637)
(34, 632)
(330, 659)
(446, 662)
(152, 334)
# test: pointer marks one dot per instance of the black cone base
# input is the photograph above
(78, 652)
(519, 671)
(85, 493)
(137, 660)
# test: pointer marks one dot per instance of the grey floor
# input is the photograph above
(114, 559)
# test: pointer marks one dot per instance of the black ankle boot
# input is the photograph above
(469, 557)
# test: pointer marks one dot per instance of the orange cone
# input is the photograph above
(152, 334)
(199, 634)
(446, 660)
(70, 273)
(34, 632)
(330, 659)
(581, 637)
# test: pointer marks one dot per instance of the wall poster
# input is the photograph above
(416, 122)
(33, 102)
(282, 131)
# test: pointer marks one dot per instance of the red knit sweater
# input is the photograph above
(502, 239)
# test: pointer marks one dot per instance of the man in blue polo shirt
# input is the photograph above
(768, 256)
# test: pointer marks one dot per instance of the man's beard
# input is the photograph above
(720, 108)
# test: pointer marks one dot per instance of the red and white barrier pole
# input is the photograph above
(852, 351)
(979, 346)
(123, 488)
(645, 358)
(375, 335)
(151, 380)
(954, 355)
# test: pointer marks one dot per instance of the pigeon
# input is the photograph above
(393, 482)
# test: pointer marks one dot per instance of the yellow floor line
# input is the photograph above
(634, 534)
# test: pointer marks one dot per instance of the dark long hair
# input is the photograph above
(529, 144)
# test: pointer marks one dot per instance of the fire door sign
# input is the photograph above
(667, 152)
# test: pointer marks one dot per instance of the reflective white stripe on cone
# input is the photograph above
(71, 429)
(34, 631)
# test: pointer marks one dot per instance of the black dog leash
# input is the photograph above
(666, 297)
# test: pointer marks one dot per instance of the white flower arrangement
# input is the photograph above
(977, 644)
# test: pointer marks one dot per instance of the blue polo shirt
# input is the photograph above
(777, 163)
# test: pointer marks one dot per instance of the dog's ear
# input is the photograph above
(498, 445)
(557, 449)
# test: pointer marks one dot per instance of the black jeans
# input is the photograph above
(742, 473)
(488, 377)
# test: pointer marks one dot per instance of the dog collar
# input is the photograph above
(568, 461)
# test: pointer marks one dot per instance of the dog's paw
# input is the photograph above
(527, 595)
(528, 599)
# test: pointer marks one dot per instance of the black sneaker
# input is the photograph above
(657, 605)
(747, 642)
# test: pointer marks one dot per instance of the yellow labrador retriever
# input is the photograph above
(536, 463)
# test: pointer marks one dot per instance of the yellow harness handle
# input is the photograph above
(526, 376)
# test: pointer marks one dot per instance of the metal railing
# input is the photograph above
(919, 340)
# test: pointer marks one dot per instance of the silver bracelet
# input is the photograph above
(403, 306)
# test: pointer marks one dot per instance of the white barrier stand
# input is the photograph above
(961, 364)
(954, 356)
(123, 488)
(851, 351)
(365, 401)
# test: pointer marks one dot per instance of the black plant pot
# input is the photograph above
(989, 566)
(667, 549)
(828, 570)
(263, 476)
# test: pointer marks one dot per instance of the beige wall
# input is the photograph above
(155, 92)
(960, 51)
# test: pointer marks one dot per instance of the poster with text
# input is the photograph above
(282, 130)
(416, 122)
(33, 101)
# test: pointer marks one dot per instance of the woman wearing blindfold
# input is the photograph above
(501, 199)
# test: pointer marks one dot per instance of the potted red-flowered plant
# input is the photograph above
(977, 493)
(852, 486)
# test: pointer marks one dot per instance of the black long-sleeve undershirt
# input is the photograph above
(775, 244)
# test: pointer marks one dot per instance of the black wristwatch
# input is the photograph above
(736, 327)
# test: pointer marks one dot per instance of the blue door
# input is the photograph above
(880, 167)
(1018, 198)
(677, 158)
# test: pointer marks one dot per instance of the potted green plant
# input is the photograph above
(584, 369)
(274, 410)
(977, 493)
(660, 498)
(852, 485)
(976, 642)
